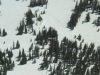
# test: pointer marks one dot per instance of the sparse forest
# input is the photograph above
(35, 40)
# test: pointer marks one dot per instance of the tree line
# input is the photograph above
(79, 8)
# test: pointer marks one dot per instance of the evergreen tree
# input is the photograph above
(13, 45)
(0, 2)
(10, 54)
(0, 32)
(88, 17)
(4, 33)
(13, 64)
(39, 18)
(34, 3)
(36, 51)
(19, 56)
(21, 28)
(73, 20)
(79, 37)
(29, 17)
(25, 29)
(24, 58)
(17, 44)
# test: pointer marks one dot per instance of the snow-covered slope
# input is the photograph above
(57, 15)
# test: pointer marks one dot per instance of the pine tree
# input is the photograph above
(13, 45)
(13, 64)
(29, 17)
(21, 28)
(10, 54)
(39, 18)
(56, 50)
(76, 6)
(88, 17)
(0, 32)
(79, 37)
(0, 2)
(36, 51)
(19, 56)
(34, 3)
(17, 44)
(4, 33)
(73, 20)
(25, 29)
(24, 58)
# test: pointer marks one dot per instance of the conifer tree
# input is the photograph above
(39, 18)
(19, 56)
(25, 29)
(21, 28)
(4, 33)
(13, 64)
(29, 17)
(24, 58)
(17, 44)
(36, 51)
(10, 54)
(0, 2)
(0, 32)
(13, 45)
(88, 17)
(79, 37)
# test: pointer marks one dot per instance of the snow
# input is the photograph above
(57, 15)
(28, 69)
(12, 12)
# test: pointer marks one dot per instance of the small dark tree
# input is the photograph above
(4, 33)
(10, 54)
(25, 29)
(24, 58)
(21, 28)
(34, 3)
(88, 17)
(36, 51)
(39, 18)
(13, 45)
(73, 20)
(17, 44)
(19, 56)
(0, 32)
(0, 2)
(79, 37)
(29, 17)
(13, 64)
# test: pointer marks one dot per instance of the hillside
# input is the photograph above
(35, 39)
